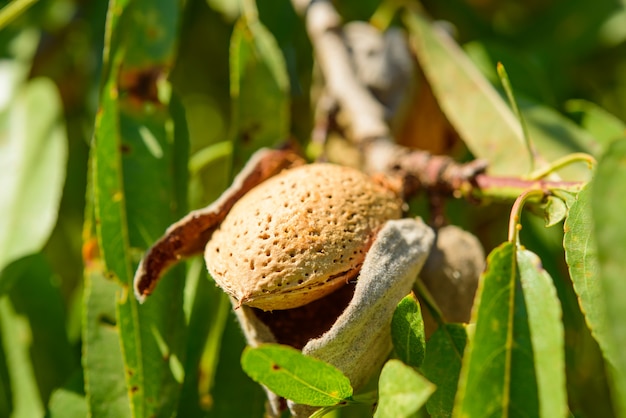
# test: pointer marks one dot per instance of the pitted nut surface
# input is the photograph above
(299, 235)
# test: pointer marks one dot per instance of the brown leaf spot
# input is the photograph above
(249, 133)
(107, 321)
(141, 84)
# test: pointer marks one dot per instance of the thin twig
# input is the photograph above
(563, 162)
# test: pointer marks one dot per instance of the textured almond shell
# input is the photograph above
(299, 235)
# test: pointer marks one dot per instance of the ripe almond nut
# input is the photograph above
(299, 235)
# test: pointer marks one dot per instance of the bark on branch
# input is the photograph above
(365, 113)
(368, 128)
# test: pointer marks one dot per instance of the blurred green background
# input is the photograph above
(562, 53)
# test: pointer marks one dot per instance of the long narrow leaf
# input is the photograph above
(136, 177)
(37, 299)
(480, 116)
(259, 90)
(442, 365)
(608, 199)
(581, 255)
(15, 330)
(33, 154)
(602, 125)
(514, 363)
(229, 374)
(5, 383)
(547, 334)
(202, 358)
(496, 356)
(127, 219)
(103, 364)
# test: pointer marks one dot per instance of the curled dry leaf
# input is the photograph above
(189, 236)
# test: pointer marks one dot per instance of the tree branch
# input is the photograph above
(368, 129)
(440, 174)
(366, 115)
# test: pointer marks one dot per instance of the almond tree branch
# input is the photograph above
(440, 174)
(366, 114)
(419, 170)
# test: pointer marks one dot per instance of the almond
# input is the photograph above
(299, 235)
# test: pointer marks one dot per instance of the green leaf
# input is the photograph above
(228, 374)
(35, 307)
(13, 271)
(402, 391)
(36, 297)
(69, 401)
(407, 332)
(133, 215)
(153, 334)
(546, 332)
(228, 8)
(147, 32)
(259, 90)
(67, 404)
(292, 375)
(514, 362)
(5, 383)
(474, 108)
(442, 365)
(508, 89)
(102, 359)
(552, 134)
(33, 154)
(602, 125)
(14, 10)
(608, 199)
(566, 196)
(556, 136)
(554, 210)
(103, 364)
(528, 77)
(203, 355)
(16, 339)
(485, 388)
(137, 180)
(588, 393)
(581, 255)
